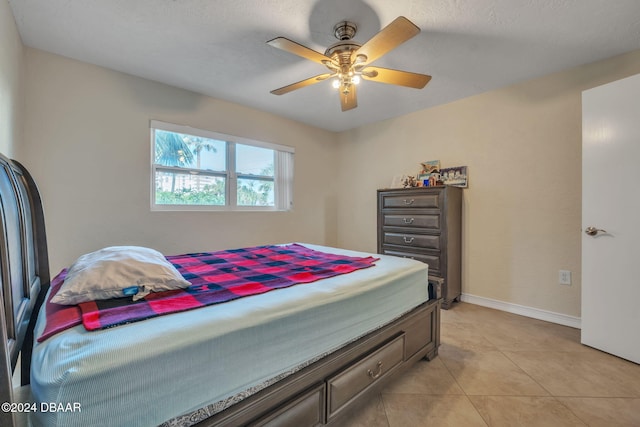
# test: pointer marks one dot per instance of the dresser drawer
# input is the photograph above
(433, 260)
(429, 222)
(427, 241)
(346, 385)
(423, 201)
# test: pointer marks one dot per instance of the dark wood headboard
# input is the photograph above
(24, 273)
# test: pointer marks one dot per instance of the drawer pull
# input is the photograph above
(378, 372)
(409, 202)
(408, 239)
(407, 220)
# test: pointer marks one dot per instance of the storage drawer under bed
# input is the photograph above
(306, 410)
(354, 380)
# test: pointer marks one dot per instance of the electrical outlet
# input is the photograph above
(564, 277)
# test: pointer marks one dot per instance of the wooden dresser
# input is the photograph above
(425, 224)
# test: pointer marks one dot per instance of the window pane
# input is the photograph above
(254, 160)
(210, 154)
(178, 188)
(183, 150)
(255, 192)
(171, 149)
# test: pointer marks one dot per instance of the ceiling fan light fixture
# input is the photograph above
(346, 80)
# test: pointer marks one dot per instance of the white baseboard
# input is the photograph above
(536, 313)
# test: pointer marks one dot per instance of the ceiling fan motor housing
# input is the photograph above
(341, 51)
(345, 30)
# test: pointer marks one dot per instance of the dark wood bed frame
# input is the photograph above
(323, 393)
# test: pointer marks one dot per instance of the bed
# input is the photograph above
(302, 355)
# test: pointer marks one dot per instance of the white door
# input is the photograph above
(611, 202)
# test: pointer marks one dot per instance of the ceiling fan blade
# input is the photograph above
(387, 39)
(301, 84)
(298, 49)
(348, 101)
(396, 77)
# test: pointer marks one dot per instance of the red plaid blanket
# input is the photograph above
(215, 277)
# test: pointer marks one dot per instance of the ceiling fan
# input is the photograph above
(349, 61)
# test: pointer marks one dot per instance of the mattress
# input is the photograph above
(147, 372)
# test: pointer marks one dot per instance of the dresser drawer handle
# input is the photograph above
(407, 220)
(409, 202)
(408, 239)
(378, 372)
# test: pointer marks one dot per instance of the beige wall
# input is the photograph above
(11, 84)
(522, 210)
(87, 143)
(88, 147)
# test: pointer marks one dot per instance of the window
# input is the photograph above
(194, 169)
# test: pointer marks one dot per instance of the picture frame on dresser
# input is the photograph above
(455, 176)
(425, 224)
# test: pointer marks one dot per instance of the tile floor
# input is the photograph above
(499, 369)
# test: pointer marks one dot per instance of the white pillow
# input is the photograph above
(118, 271)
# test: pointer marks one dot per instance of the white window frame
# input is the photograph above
(283, 171)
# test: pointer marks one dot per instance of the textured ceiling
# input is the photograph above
(218, 48)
